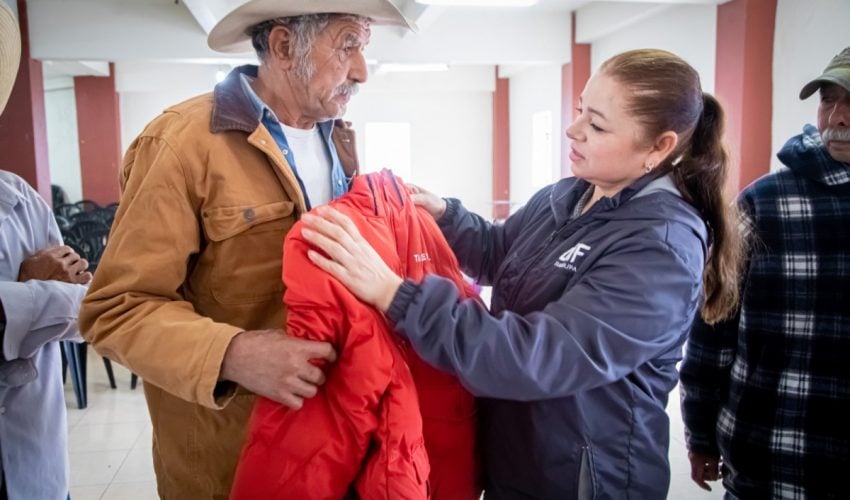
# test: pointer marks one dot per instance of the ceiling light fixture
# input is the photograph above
(479, 3)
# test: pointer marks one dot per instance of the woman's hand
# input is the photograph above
(350, 258)
(435, 205)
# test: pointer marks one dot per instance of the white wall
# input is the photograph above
(125, 30)
(532, 90)
(146, 89)
(686, 30)
(808, 34)
(450, 116)
(114, 30)
(480, 36)
(63, 147)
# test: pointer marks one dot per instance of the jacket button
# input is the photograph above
(285, 152)
(263, 142)
(249, 214)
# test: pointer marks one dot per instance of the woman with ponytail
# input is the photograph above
(596, 281)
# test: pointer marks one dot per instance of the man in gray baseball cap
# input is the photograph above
(833, 112)
(767, 392)
(837, 72)
(188, 294)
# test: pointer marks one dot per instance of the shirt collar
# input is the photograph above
(264, 112)
(260, 108)
(10, 195)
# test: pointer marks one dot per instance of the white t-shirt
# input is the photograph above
(312, 160)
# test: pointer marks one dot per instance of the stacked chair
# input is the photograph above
(85, 228)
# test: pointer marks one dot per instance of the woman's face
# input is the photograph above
(607, 147)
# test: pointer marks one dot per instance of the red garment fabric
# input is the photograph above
(385, 425)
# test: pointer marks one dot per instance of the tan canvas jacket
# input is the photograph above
(194, 257)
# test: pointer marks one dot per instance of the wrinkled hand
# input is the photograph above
(435, 205)
(349, 257)
(704, 468)
(272, 364)
(58, 263)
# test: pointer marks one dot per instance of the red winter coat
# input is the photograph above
(384, 418)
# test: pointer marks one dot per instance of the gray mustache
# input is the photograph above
(834, 134)
(347, 89)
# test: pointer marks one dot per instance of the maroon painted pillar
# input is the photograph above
(99, 126)
(744, 84)
(23, 125)
(501, 149)
(574, 76)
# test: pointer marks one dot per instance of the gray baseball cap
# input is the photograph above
(837, 72)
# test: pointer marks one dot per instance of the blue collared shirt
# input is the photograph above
(339, 184)
(33, 427)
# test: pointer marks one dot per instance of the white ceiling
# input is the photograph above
(74, 33)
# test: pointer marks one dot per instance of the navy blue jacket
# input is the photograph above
(578, 354)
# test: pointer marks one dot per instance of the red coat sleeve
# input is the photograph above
(318, 451)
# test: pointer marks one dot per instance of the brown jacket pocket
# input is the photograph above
(245, 250)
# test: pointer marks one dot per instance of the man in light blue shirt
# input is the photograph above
(41, 287)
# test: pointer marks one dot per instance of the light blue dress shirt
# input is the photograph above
(339, 183)
(33, 426)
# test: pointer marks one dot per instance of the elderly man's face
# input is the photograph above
(337, 57)
(834, 121)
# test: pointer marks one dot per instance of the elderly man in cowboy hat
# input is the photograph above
(769, 392)
(41, 287)
(188, 293)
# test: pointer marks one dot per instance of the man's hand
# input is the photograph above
(274, 365)
(704, 468)
(58, 264)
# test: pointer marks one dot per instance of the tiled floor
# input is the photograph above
(110, 443)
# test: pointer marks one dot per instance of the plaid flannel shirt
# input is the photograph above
(769, 390)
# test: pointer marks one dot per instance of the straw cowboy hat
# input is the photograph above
(230, 34)
(10, 52)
